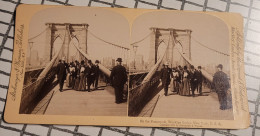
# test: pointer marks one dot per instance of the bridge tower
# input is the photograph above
(178, 36)
(66, 32)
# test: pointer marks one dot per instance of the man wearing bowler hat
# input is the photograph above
(96, 67)
(221, 84)
(166, 74)
(193, 79)
(118, 78)
(61, 73)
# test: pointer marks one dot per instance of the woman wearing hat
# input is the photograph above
(185, 80)
(76, 76)
(82, 82)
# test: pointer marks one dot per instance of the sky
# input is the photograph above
(105, 24)
(206, 29)
(114, 28)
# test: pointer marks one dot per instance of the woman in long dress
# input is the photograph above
(82, 82)
(72, 72)
(68, 76)
(77, 77)
(186, 87)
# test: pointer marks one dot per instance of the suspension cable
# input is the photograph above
(208, 47)
(37, 35)
(107, 41)
(141, 39)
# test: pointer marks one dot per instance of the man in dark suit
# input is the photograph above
(221, 85)
(90, 74)
(166, 74)
(118, 78)
(193, 79)
(200, 79)
(96, 71)
(61, 73)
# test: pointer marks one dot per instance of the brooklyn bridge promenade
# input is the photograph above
(176, 106)
(100, 102)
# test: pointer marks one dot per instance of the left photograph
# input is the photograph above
(76, 63)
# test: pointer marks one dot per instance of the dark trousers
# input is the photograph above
(222, 97)
(61, 83)
(193, 88)
(165, 86)
(119, 93)
(96, 81)
(90, 81)
(200, 87)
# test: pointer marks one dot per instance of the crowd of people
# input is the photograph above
(186, 81)
(81, 75)
(78, 75)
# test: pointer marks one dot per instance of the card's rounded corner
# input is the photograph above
(7, 118)
(20, 6)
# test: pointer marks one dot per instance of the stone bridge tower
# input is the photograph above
(66, 32)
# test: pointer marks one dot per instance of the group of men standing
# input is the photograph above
(80, 76)
(185, 81)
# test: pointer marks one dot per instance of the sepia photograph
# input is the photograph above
(180, 67)
(76, 63)
(127, 67)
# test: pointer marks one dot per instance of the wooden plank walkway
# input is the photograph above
(199, 107)
(72, 102)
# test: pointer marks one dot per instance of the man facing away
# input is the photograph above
(221, 84)
(61, 73)
(118, 78)
(166, 74)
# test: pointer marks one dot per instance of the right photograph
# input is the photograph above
(180, 67)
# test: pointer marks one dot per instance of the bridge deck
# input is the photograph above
(95, 103)
(199, 107)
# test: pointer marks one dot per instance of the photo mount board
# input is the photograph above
(234, 23)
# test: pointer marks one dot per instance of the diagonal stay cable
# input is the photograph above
(208, 47)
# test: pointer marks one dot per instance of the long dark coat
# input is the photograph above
(194, 79)
(220, 81)
(166, 74)
(61, 71)
(118, 75)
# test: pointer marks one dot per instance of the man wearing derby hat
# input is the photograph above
(118, 78)
(96, 71)
(61, 73)
(166, 74)
(90, 72)
(221, 85)
(193, 79)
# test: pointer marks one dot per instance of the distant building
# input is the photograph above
(108, 62)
